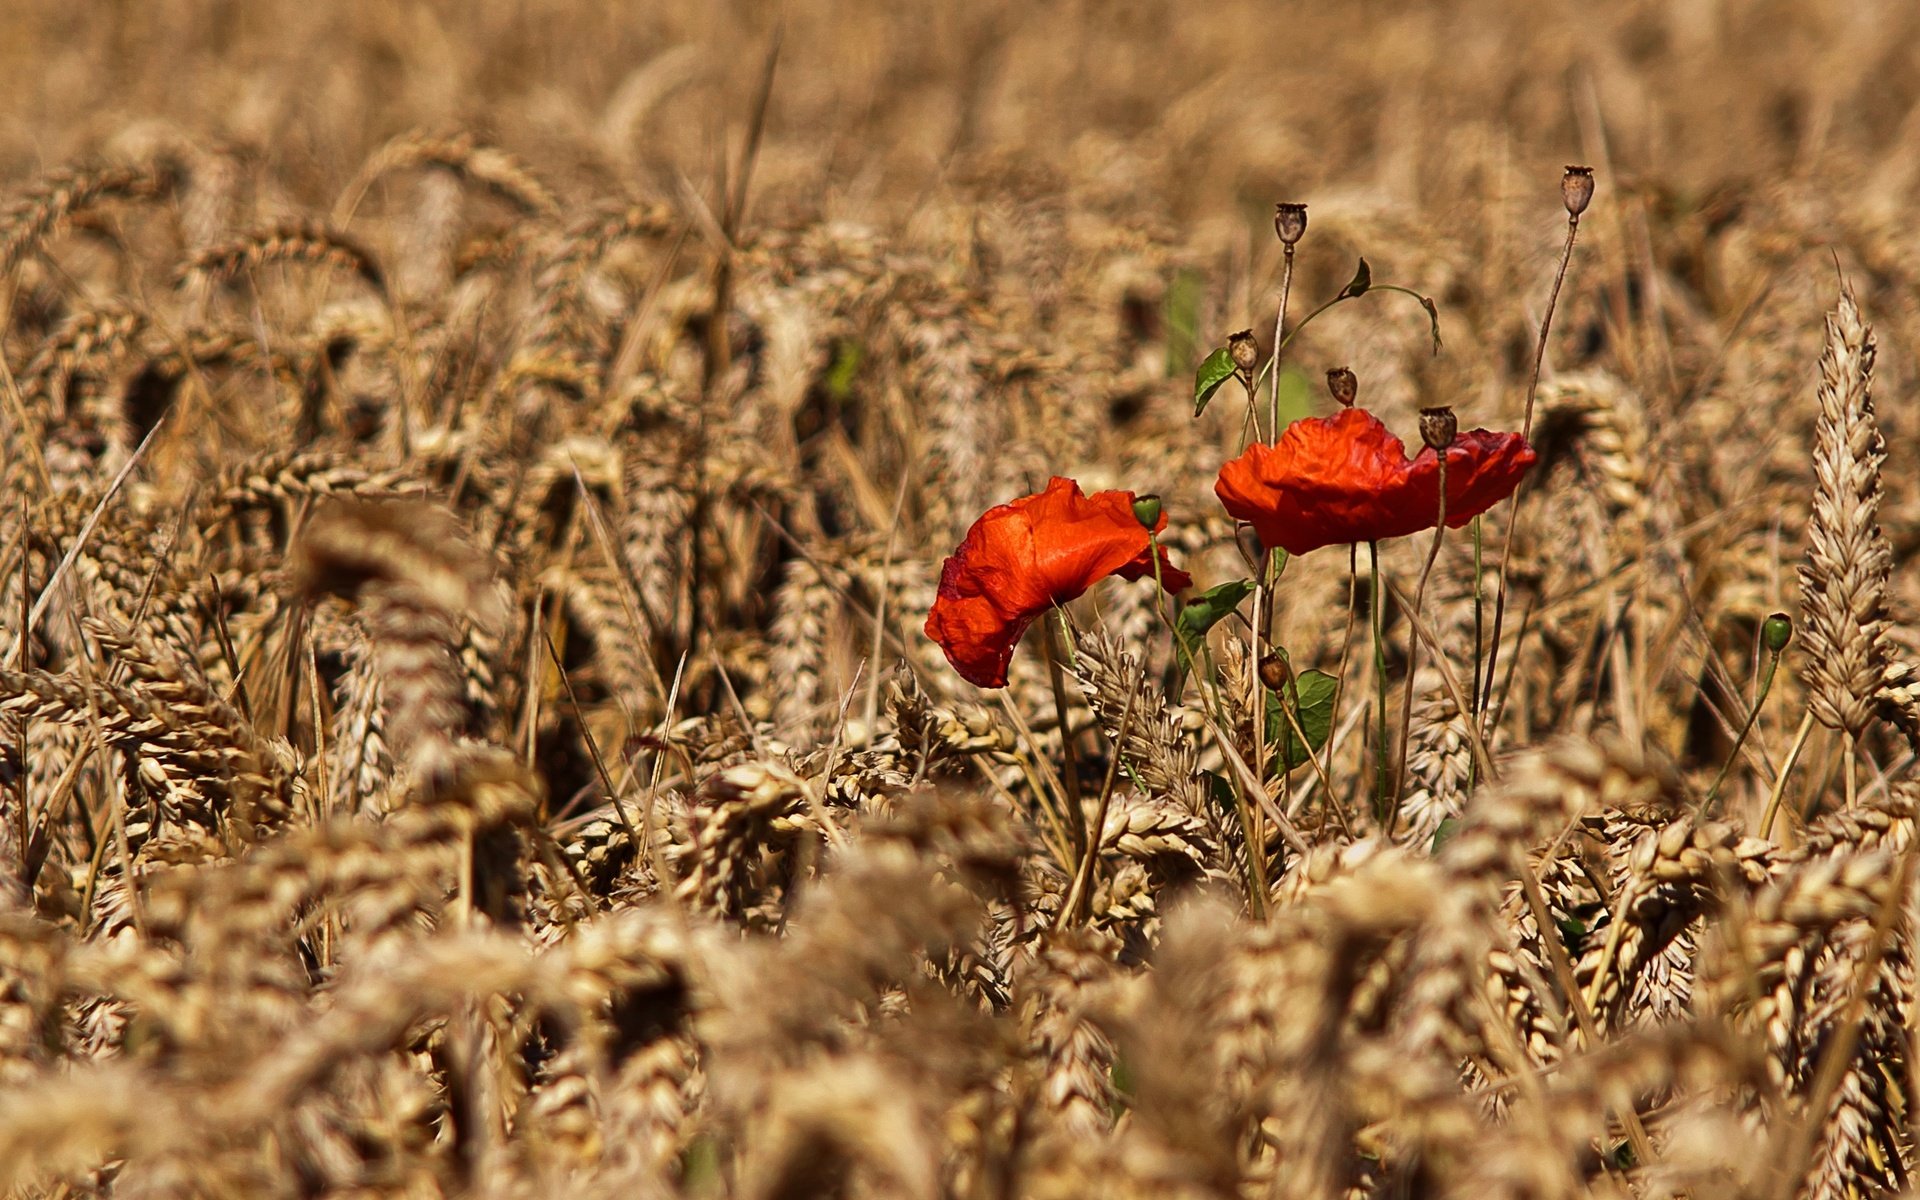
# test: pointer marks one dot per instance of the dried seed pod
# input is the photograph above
(1344, 384)
(1290, 222)
(1438, 427)
(1576, 188)
(1274, 672)
(1244, 350)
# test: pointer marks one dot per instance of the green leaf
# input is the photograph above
(1315, 715)
(1216, 370)
(1202, 613)
(1361, 281)
(1210, 607)
(1449, 827)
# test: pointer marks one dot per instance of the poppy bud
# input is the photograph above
(1438, 427)
(1244, 351)
(1146, 510)
(1576, 188)
(1274, 672)
(1290, 222)
(1776, 632)
(1344, 385)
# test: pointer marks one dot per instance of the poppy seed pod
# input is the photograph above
(1576, 188)
(1344, 385)
(1244, 350)
(1438, 427)
(1146, 510)
(1290, 222)
(1776, 632)
(1274, 672)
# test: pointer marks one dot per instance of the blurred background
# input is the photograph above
(1447, 121)
(1200, 119)
(991, 241)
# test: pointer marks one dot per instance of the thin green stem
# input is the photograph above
(1479, 614)
(1378, 287)
(1346, 654)
(1380, 785)
(1753, 715)
(1070, 759)
(1413, 649)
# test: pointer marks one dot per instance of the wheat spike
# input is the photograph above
(1843, 582)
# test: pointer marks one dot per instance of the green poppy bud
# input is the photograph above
(1146, 510)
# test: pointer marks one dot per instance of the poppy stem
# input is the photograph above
(1753, 715)
(1380, 783)
(1425, 302)
(1279, 343)
(1479, 613)
(1413, 650)
(1256, 828)
(1526, 431)
(1073, 910)
(1346, 656)
(1070, 760)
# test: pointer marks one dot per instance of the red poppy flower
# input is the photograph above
(1346, 478)
(1024, 557)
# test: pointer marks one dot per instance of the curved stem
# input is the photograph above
(1378, 287)
(1526, 432)
(1753, 715)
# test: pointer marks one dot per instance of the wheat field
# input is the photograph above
(474, 478)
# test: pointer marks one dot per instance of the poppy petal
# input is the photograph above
(1022, 558)
(1347, 478)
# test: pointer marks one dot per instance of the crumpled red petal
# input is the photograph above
(1347, 478)
(1022, 558)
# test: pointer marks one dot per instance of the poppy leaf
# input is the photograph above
(1205, 611)
(1314, 690)
(1358, 285)
(1216, 370)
